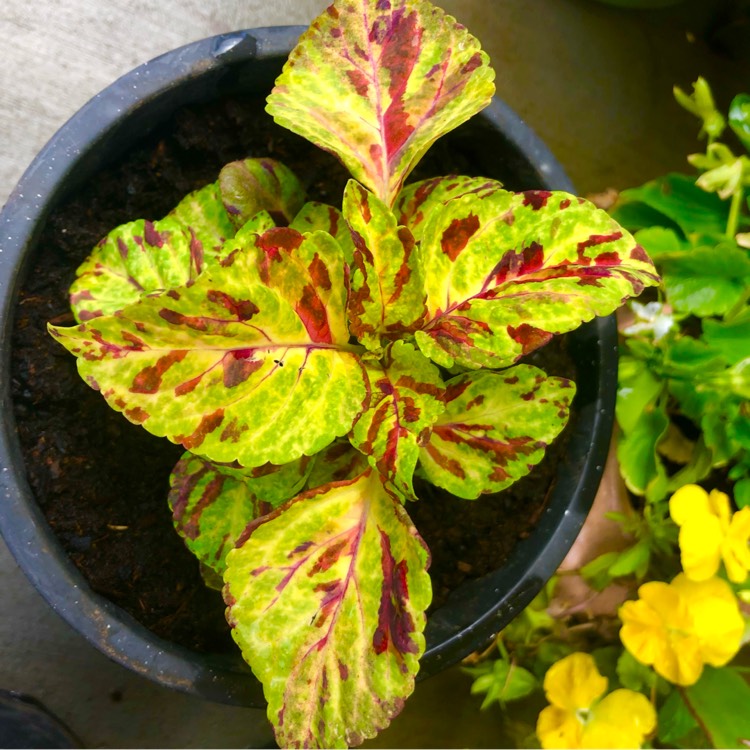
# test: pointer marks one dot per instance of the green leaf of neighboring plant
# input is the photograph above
(633, 675)
(660, 241)
(418, 200)
(342, 574)
(376, 82)
(637, 389)
(640, 465)
(739, 118)
(742, 493)
(701, 104)
(495, 428)
(719, 700)
(730, 337)
(676, 724)
(387, 296)
(250, 363)
(502, 681)
(406, 398)
(632, 561)
(679, 199)
(314, 216)
(507, 271)
(133, 260)
(203, 212)
(707, 280)
(212, 504)
(254, 185)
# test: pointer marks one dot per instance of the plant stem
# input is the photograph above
(734, 212)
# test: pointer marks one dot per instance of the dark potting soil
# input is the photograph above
(102, 482)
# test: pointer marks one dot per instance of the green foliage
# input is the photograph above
(719, 701)
(501, 681)
(683, 410)
(294, 349)
(683, 392)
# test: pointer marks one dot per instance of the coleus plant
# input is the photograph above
(313, 360)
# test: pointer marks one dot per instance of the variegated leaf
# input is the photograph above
(376, 82)
(254, 185)
(342, 574)
(133, 260)
(416, 201)
(249, 363)
(315, 216)
(506, 271)
(261, 223)
(339, 462)
(406, 398)
(213, 503)
(387, 295)
(203, 212)
(495, 429)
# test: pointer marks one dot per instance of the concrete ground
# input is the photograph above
(594, 81)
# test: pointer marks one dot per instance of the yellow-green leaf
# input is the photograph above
(342, 573)
(495, 429)
(376, 82)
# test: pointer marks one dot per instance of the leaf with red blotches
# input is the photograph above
(406, 397)
(387, 297)
(315, 216)
(339, 462)
(376, 82)
(504, 272)
(341, 572)
(143, 257)
(250, 363)
(213, 503)
(417, 200)
(133, 260)
(495, 429)
(254, 185)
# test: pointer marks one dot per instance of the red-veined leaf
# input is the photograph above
(213, 503)
(387, 295)
(495, 429)
(314, 216)
(376, 82)
(506, 271)
(416, 201)
(406, 398)
(342, 573)
(250, 363)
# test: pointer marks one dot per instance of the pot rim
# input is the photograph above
(225, 678)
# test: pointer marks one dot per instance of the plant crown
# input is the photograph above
(311, 360)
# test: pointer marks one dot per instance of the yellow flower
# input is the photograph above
(680, 626)
(710, 533)
(578, 715)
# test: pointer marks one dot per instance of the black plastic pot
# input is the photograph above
(248, 61)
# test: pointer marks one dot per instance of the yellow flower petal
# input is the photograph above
(574, 682)
(623, 719)
(720, 507)
(717, 621)
(681, 661)
(643, 632)
(735, 550)
(657, 630)
(556, 727)
(687, 502)
(701, 540)
(667, 602)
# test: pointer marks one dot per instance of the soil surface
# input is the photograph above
(102, 482)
